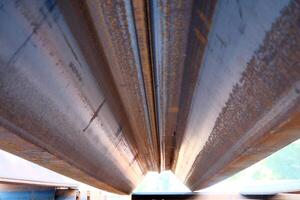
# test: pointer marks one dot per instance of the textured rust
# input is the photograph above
(177, 23)
(250, 120)
(109, 90)
(172, 24)
(53, 100)
(87, 38)
(200, 24)
(141, 16)
(116, 30)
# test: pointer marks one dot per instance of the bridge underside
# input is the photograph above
(105, 91)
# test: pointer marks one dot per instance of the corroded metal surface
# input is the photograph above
(201, 19)
(170, 22)
(50, 97)
(104, 91)
(116, 30)
(179, 32)
(262, 111)
(142, 24)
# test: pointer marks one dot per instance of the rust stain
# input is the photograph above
(204, 19)
(95, 114)
(173, 109)
(75, 71)
(201, 38)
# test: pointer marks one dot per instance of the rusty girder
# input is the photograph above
(105, 90)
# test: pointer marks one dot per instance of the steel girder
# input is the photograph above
(104, 91)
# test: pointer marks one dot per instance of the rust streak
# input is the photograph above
(94, 115)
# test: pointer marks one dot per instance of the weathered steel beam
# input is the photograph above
(247, 103)
(179, 33)
(121, 27)
(142, 24)
(116, 84)
(199, 28)
(51, 98)
(104, 91)
(170, 21)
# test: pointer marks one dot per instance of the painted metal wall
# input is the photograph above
(28, 195)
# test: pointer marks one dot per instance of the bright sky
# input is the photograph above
(17, 168)
(164, 182)
(14, 167)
